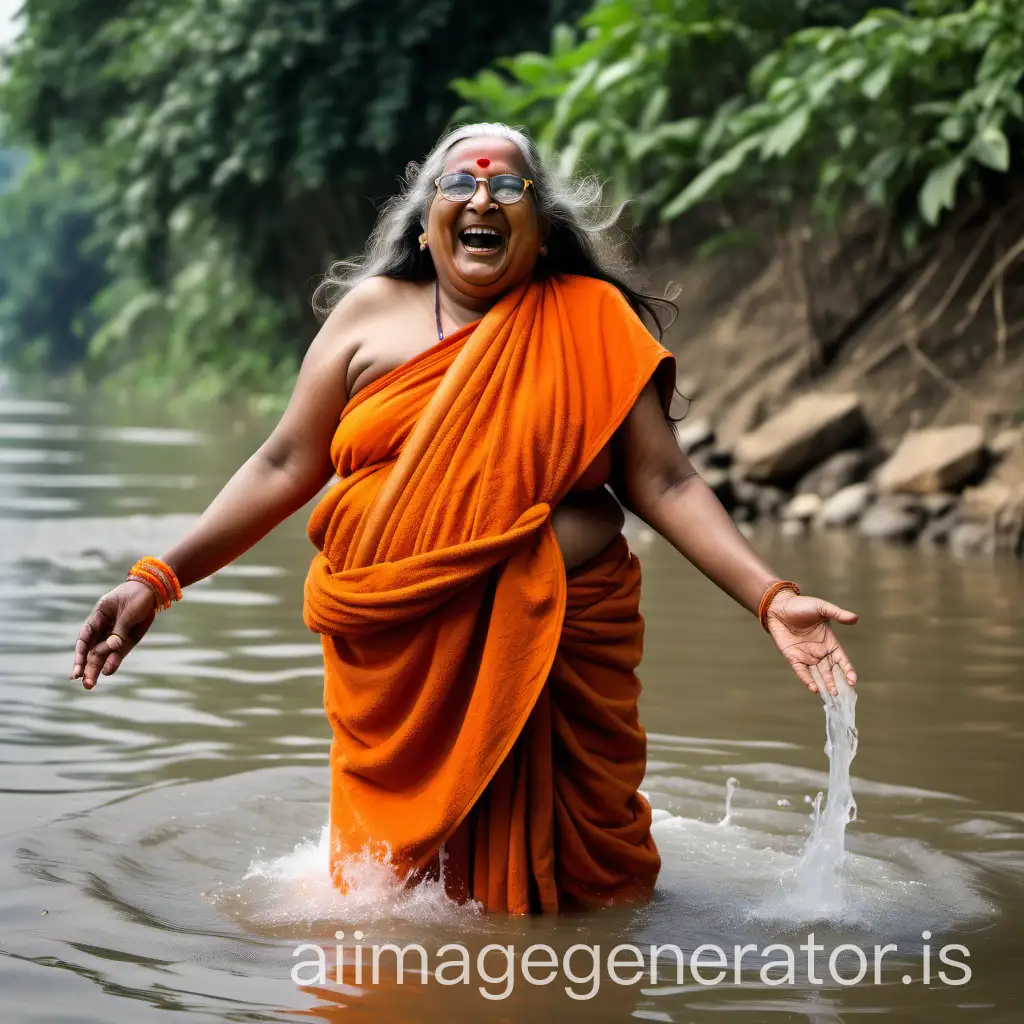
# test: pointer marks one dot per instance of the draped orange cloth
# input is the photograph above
(484, 705)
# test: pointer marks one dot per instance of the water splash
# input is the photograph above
(814, 887)
(730, 788)
(296, 889)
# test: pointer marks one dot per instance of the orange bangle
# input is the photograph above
(154, 584)
(165, 572)
(159, 577)
(769, 595)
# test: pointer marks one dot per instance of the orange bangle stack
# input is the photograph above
(159, 577)
(769, 595)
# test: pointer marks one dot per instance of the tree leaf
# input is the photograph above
(877, 82)
(701, 187)
(938, 192)
(991, 148)
(786, 134)
(654, 109)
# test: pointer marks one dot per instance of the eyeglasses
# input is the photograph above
(460, 186)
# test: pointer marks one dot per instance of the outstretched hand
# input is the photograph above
(117, 623)
(802, 631)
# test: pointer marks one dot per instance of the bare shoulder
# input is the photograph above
(361, 301)
(369, 293)
(352, 320)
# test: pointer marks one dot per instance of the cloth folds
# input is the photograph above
(483, 705)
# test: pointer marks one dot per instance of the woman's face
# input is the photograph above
(478, 269)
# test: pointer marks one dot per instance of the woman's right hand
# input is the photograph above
(117, 623)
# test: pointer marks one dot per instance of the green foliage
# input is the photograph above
(207, 335)
(234, 147)
(638, 91)
(270, 121)
(50, 269)
(12, 162)
(772, 105)
(923, 104)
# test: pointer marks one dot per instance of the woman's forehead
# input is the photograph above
(492, 154)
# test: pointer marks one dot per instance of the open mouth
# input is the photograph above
(481, 241)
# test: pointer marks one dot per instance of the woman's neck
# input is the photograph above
(457, 311)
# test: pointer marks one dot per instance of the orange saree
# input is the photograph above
(484, 706)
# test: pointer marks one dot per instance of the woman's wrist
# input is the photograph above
(771, 595)
(159, 577)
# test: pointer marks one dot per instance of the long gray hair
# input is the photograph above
(578, 241)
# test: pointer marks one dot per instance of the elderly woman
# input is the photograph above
(478, 392)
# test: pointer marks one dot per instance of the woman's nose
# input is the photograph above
(481, 197)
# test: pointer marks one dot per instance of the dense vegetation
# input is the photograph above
(762, 116)
(233, 148)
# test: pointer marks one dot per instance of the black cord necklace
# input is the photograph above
(437, 309)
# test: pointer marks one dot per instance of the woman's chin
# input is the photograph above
(485, 277)
(480, 271)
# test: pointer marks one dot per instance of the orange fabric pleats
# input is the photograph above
(484, 706)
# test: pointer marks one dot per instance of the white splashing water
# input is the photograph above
(730, 788)
(814, 887)
(297, 889)
(719, 872)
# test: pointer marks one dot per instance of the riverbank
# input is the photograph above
(906, 425)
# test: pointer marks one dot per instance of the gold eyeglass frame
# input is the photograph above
(511, 202)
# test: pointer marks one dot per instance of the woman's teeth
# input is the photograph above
(481, 240)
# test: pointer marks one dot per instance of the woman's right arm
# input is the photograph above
(287, 470)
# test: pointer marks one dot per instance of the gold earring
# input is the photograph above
(423, 241)
(543, 250)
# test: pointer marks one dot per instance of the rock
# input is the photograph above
(770, 500)
(932, 460)
(746, 496)
(998, 504)
(986, 500)
(1006, 441)
(936, 533)
(719, 458)
(746, 492)
(936, 505)
(720, 482)
(835, 473)
(846, 506)
(890, 520)
(803, 507)
(693, 435)
(971, 539)
(793, 528)
(795, 440)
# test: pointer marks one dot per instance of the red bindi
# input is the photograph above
(483, 162)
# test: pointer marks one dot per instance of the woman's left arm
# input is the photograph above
(658, 483)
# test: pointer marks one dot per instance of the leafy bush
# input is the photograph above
(50, 267)
(640, 91)
(927, 103)
(209, 334)
(271, 122)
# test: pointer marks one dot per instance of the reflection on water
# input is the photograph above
(162, 840)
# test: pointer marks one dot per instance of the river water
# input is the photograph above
(160, 837)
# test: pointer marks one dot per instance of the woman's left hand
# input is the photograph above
(800, 627)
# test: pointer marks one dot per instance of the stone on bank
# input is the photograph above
(934, 460)
(792, 442)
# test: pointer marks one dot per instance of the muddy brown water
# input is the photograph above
(160, 853)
